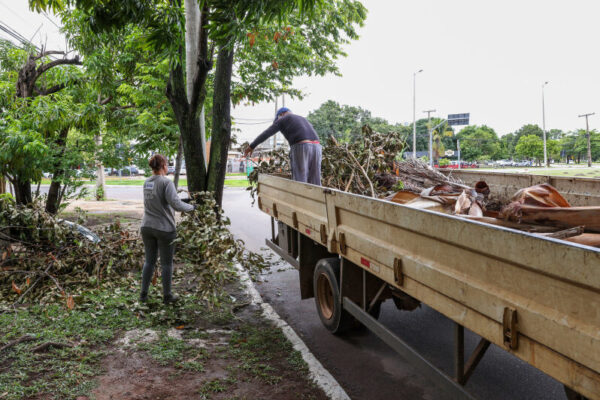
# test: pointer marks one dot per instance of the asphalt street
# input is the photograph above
(365, 366)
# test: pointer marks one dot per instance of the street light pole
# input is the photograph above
(589, 144)
(546, 162)
(414, 113)
(430, 136)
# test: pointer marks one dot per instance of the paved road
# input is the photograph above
(365, 366)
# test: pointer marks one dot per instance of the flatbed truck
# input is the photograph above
(537, 298)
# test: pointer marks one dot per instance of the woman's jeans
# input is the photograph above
(156, 242)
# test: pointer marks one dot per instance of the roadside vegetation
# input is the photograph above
(64, 334)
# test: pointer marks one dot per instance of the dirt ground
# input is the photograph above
(243, 357)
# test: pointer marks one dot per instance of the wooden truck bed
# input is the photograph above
(538, 298)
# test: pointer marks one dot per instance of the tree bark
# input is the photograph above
(54, 194)
(221, 124)
(22, 191)
(189, 127)
(2, 185)
(100, 179)
(178, 161)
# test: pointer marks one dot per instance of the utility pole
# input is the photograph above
(587, 129)
(414, 113)
(275, 113)
(458, 150)
(546, 162)
(430, 136)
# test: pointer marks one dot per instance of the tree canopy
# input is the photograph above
(258, 47)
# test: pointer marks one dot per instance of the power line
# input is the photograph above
(16, 35)
(48, 18)
(254, 119)
(253, 123)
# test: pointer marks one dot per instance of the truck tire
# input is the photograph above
(326, 286)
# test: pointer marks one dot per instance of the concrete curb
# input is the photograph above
(318, 373)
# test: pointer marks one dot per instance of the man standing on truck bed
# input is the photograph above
(305, 149)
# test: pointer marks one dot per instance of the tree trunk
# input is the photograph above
(100, 181)
(53, 200)
(221, 124)
(22, 191)
(189, 128)
(2, 185)
(178, 160)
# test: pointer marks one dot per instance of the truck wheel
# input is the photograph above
(327, 296)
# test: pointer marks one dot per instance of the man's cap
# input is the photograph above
(281, 111)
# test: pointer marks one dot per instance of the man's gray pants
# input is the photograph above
(305, 160)
(156, 242)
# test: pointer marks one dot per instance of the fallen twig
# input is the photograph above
(565, 233)
(34, 283)
(24, 338)
(46, 346)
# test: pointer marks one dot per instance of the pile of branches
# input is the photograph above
(417, 175)
(210, 251)
(44, 260)
(356, 167)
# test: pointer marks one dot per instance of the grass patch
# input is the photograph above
(256, 348)
(66, 372)
(573, 172)
(236, 183)
(90, 328)
(140, 182)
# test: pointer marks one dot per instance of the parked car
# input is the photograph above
(524, 163)
(182, 171)
(170, 169)
(120, 172)
(505, 163)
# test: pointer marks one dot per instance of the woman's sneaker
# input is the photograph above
(170, 298)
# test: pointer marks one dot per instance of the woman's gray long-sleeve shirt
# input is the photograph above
(160, 198)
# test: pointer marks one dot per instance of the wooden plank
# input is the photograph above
(558, 313)
(581, 379)
(572, 337)
(577, 190)
(564, 217)
(566, 261)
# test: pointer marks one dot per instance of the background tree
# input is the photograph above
(345, 122)
(573, 145)
(532, 147)
(441, 137)
(478, 143)
(24, 70)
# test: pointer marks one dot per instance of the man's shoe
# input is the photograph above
(170, 298)
(143, 297)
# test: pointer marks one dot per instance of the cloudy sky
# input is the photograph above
(484, 57)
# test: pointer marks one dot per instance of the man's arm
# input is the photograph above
(270, 131)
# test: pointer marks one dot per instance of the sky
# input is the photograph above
(482, 57)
